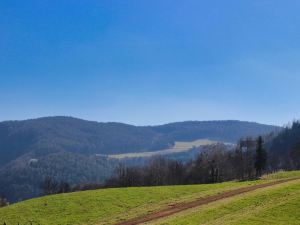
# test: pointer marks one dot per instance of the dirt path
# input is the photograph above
(200, 201)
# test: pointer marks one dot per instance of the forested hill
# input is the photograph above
(225, 131)
(284, 149)
(67, 148)
(49, 135)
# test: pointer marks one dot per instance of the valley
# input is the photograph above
(77, 151)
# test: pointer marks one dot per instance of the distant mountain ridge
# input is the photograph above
(72, 150)
(55, 134)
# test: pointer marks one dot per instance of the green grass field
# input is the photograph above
(109, 206)
(279, 204)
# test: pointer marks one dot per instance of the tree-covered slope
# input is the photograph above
(53, 134)
(284, 149)
(71, 149)
(22, 178)
(47, 135)
(225, 131)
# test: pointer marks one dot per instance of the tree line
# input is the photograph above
(250, 159)
(212, 165)
(284, 150)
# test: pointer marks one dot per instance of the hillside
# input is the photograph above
(264, 201)
(22, 179)
(53, 134)
(74, 150)
(284, 149)
(278, 204)
(225, 131)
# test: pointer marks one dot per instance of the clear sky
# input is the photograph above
(150, 62)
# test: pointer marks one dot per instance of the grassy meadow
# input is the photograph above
(108, 206)
(274, 205)
(179, 146)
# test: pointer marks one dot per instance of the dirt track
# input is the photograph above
(200, 201)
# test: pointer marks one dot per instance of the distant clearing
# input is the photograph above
(177, 148)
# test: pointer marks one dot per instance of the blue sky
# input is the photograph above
(150, 62)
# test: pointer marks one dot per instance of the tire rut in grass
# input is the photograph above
(176, 208)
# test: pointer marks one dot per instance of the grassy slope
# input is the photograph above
(177, 148)
(277, 205)
(112, 205)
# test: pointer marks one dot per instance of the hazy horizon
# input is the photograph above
(179, 121)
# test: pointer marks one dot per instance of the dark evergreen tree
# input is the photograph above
(50, 186)
(64, 187)
(3, 201)
(261, 157)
